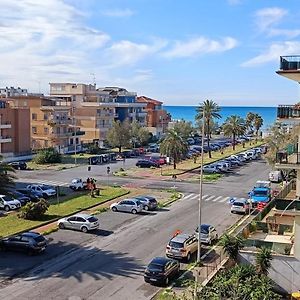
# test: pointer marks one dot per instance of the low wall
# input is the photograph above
(284, 271)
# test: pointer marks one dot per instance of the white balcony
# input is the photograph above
(5, 126)
(5, 139)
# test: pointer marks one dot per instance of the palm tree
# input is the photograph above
(249, 121)
(6, 177)
(234, 126)
(174, 146)
(231, 245)
(263, 261)
(211, 110)
(257, 122)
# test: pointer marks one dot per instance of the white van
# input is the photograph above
(275, 176)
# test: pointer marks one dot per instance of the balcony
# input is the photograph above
(5, 139)
(5, 126)
(290, 67)
(289, 158)
(288, 111)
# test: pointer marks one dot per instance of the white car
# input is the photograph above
(128, 205)
(8, 203)
(77, 184)
(241, 205)
(208, 234)
(45, 190)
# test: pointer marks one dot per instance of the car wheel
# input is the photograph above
(45, 195)
(61, 225)
(6, 208)
(134, 211)
(114, 209)
(146, 207)
(84, 229)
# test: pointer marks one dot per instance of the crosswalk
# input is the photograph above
(46, 182)
(208, 198)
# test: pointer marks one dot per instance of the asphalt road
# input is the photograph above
(109, 264)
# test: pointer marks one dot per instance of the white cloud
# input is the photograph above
(273, 53)
(268, 17)
(129, 53)
(200, 45)
(118, 13)
(289, 33)
(42, 38)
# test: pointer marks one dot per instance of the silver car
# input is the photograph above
(82, 222)
(128, 205)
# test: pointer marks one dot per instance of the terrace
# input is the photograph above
(290, 67)
(288, 158)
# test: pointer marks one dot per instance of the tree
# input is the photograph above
(234, 126)
(184, 129)
(139, 134)
(211, 110)
(232, 245)
(263, 260)
(249, 121)
(174, 146)
(47, 156)
(257, 122)
(119, 134)
(34, 210)
(6, 177)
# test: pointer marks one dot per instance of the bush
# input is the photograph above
(34, 211)
(47, 156)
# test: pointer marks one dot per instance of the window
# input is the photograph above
(34, 116)
(46, 130)
(45, 117)
(79, 219)
(72, 219)
(33, 130)
(25, 239)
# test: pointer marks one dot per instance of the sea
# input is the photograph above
(188, 113)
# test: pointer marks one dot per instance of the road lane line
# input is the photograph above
(225, 199)
(188, 196)
(218, 198)
(210, 198)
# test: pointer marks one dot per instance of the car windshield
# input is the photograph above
(175, 244)
(238, 204)
(45, 187)
(204, 229)
(92, 219)
(39, 239)
(260, 193)
(8, 198)
(138, 202)
(156, 267)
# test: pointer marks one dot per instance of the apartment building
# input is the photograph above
(51, 123)
(157, 119)
(14, 130)
(289, 158)
(94, 110)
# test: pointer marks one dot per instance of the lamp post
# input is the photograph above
(75, 137)
(200, 191)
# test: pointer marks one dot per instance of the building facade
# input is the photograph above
(94, 110)
(157, 118)
(14, 130)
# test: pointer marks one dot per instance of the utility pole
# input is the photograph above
(75, 136)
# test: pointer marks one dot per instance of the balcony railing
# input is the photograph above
(291, 62)
(283, 157)
(288, 111)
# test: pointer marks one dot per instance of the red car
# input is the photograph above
(159, 159)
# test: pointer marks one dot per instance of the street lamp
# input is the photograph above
(200, 191)
(75, 136)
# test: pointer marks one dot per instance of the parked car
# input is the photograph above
(276, 176)
(146, 164)
(127, 205)
(211, 169)
(29, 242)
(82, 222)
(20, 197)
(9, 203)
(78, 184)
(241, 205)
(45, 190)
(160, 160)
(161, 269)
(33, 195)
(208, 234)
(19, 165)
(182, 246)
(149, 202)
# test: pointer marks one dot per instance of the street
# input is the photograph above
(109, 264)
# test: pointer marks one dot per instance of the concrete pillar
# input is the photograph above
(298, 184)
(297, 237)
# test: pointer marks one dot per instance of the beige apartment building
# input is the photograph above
(94, 110)
(51, 123)
(14, 130)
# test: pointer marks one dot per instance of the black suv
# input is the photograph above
(19, 165)
(29, 242)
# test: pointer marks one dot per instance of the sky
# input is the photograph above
(179, 52)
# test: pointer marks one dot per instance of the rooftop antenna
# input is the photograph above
(94, 78)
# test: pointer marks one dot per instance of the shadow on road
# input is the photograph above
(63, 260)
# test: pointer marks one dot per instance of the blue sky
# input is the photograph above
(180, 52)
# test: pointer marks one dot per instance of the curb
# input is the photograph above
(75, 212)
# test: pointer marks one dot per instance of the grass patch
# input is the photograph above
(11, 224)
